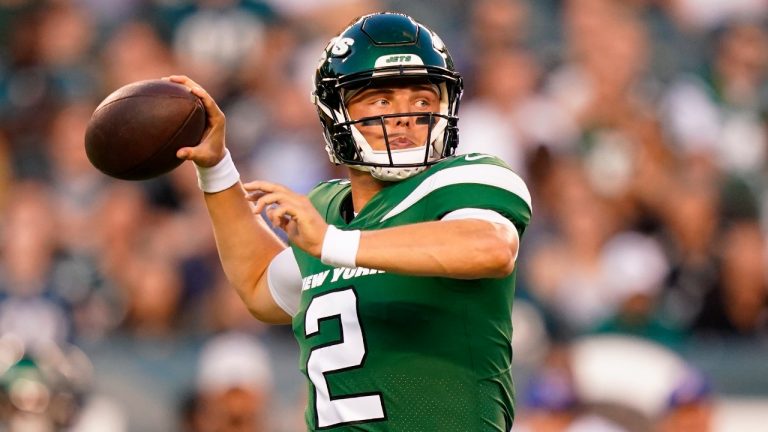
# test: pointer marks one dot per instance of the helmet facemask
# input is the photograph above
(391, 163)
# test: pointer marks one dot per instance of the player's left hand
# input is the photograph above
(291, 212)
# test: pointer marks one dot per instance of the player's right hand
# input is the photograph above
(211, 149)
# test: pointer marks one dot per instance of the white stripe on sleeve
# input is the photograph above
(284, 280)
(482, 214)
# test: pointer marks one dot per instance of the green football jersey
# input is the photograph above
(390, 352)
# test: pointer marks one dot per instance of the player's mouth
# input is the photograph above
(400, 142)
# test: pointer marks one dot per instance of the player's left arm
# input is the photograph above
(467, 248)
(462, 249)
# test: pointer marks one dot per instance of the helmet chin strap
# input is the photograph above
(389, 173)
(395, 174)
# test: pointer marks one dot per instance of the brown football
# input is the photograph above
(135, 132)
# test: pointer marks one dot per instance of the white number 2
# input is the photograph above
(348, 353)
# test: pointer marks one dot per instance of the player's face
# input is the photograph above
(401, 132)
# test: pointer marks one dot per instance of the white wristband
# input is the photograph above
(340, 247)
(218, 177)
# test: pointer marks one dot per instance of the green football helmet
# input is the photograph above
(386, 47)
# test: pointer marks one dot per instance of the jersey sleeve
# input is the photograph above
(476, 181)
(483, 214)
(475, 213)
(284, 280)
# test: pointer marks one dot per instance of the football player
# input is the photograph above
(399, 280)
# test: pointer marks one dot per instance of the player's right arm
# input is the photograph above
(245, 243)
(246, 247)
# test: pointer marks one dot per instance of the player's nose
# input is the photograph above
(403, 121)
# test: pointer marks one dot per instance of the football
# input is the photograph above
(135, 132)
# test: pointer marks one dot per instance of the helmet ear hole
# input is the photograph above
(345, 145)
(322, 92)
(452, 140)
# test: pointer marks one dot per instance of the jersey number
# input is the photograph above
(346, 354)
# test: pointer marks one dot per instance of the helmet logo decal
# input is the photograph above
(397, 60)
(341, 46)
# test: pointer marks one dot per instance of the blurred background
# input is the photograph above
(640, 127)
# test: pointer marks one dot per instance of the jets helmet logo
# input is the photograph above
(341, 46)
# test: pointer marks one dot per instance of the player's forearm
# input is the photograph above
(462, 249)
(245, 244)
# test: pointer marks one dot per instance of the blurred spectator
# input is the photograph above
(292, 152)
(625, 371)
(498, 25)
(606, 54)
(224, 311)
(548, 402)
(66, 35)
(77, 187)
(636, 269)
(30, 308)
(233, 388)
(110, 13)
(134, 52)
(48, 388)
(611, 418)
(564, 270)
(27, 98)
(324, 17)
(690, 406)
(504, 113)
(147, 362)
(690, 215)
(213, 37)
(739, 305)
(48, 63)
(122, 215)
(153, 297)
(177, 211)
(603, 88)
(77, 192)
(505, 82)
(702, 15)
(530, 341)
(718, 114)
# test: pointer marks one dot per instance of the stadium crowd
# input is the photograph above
(640, 126)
